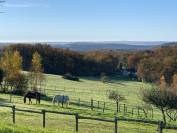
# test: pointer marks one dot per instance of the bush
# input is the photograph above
(19, 83)
(104, 78)
(70, 77)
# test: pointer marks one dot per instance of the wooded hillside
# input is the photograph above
(150, 64)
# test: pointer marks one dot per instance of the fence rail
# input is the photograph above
(104, 105)
(77, 117)
(123, 108)
(111, 106)
(96, 119)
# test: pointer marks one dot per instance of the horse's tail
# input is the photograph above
(38, 97)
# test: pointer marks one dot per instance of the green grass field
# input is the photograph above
(85, 89)
(88, 88)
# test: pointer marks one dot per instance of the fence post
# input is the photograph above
(152, 114)
(77, 122)
(132, 111)
(98, 104)
(104, 107)
(91, 104)
(119, 107)
(124, 109)
(43, 112)
(160, 127)
(13, 113)
(138, 111)
(115, 120)
(10, 97)
(62, 101)
(79, 100)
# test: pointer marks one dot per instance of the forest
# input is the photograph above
(150, 65)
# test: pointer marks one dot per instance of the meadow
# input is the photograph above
(84, 90)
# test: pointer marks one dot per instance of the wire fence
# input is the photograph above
(124, 109)
(93, 104)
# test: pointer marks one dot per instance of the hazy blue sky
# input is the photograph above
(88, 20)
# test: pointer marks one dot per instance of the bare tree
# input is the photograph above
(145, 108)
(117, 97)
(163, 99)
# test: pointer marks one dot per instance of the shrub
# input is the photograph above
(19, 83)
(104, 78)
(70, 77)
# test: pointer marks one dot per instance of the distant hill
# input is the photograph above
(114, 45)
(122, 45)
(170, 44)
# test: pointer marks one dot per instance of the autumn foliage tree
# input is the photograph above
(133, 61)
(11, 64)
(36, 76)
(162, 85)
(149, 70)
(169, 68)
(174, 83)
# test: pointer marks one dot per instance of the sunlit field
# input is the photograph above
(85, 90)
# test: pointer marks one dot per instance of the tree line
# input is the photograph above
(62, 61)
(150, 65)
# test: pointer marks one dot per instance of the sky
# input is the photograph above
(88, 20)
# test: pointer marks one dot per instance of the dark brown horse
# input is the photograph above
(32, 95)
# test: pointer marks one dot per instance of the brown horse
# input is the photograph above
(34, 95)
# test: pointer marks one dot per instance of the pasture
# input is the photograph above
(83, 90)
(88, 88)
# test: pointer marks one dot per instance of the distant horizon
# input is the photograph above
(63, 41)
(135, 43)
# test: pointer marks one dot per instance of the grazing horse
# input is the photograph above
(60, 99)
(34, 95)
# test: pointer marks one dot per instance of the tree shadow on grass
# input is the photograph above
(3, 100)
(46, 98)
(118, 83)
